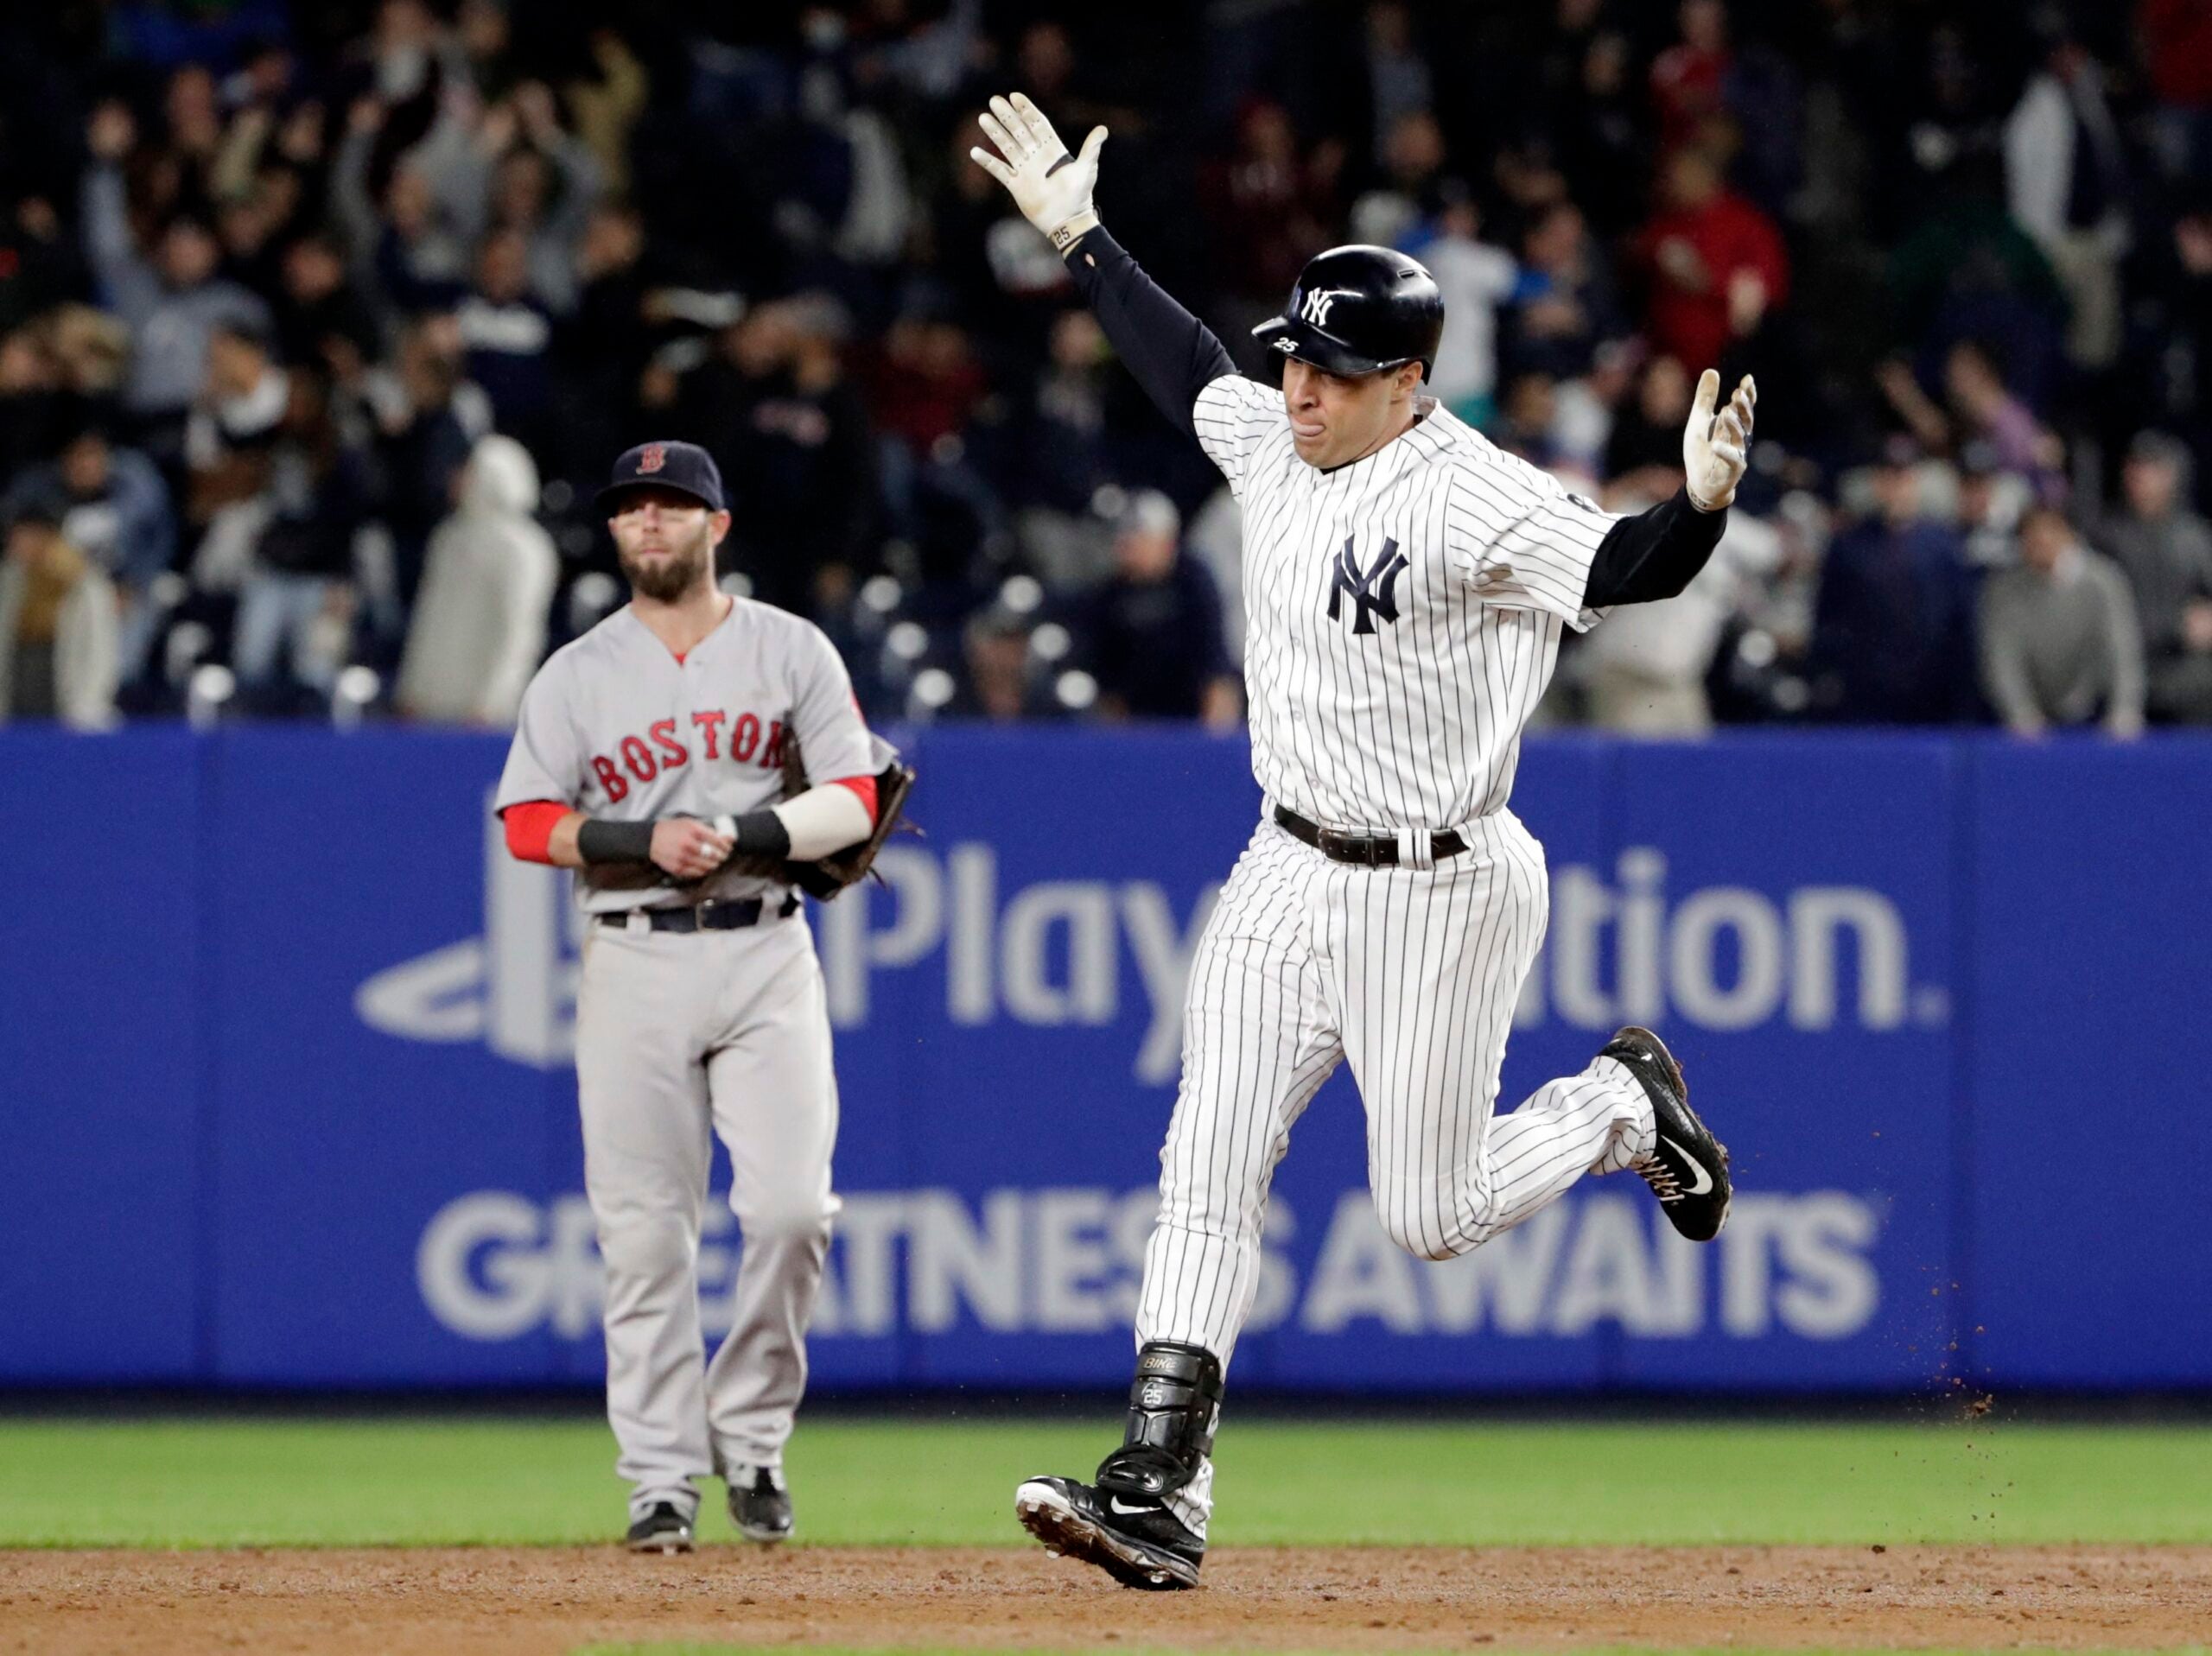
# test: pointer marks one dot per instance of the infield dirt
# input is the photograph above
(534, 1601)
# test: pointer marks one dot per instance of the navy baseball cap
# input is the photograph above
(685, 467)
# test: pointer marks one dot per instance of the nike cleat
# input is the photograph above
(664, 1529)
(1688, 1168)
(1138, 1542)
(760, 1505)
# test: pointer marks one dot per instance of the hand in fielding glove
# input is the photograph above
(1052, 187)
(1713, 448)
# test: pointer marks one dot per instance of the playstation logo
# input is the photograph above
(513, 988)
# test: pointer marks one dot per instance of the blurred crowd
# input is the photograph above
(320, 324)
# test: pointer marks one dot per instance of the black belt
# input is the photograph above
(713, 915)
(1368, 850)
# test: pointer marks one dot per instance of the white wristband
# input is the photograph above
(1073, 231)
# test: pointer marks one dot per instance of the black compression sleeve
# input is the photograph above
(762, 833)
(1173, 354)
(1654, 554)
(600, 841)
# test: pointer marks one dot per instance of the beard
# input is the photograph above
(666, 579)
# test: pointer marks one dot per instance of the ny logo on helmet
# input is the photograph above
(1374, 592)
(1316, 309)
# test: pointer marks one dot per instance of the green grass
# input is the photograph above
(231, 1482)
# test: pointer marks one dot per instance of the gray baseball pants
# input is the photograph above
(679, 1035)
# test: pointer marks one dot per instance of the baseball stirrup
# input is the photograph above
(1174, 1404)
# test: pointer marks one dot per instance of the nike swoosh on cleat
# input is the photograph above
(1697, 1168)
(1114, 1504)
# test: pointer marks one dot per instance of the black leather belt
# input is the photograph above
(1368, 850)
(713, 915)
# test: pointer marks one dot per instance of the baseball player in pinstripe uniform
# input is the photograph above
(1405, 585)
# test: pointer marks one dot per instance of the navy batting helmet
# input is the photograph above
(1359, 309)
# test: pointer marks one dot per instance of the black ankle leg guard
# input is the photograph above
(1174, 1404)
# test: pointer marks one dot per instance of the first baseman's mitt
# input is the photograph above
(824, 877)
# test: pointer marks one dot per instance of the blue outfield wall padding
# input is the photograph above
(1806, 958)
(355, 1097)
(286, 1043)
(103, 1030)
(2092, 1040)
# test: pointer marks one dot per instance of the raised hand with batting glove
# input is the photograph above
(1052, 187)
(1714, 447)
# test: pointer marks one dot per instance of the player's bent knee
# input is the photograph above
(1433, 1245)
(1435, 1233)
(646, 1246)
(783, 1223)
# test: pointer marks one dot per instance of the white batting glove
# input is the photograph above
(1713, 448)
(1052, 187)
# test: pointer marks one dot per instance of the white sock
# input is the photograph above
(1193, 1504)
(1635, 1130)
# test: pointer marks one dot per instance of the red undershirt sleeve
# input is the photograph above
(864, 789)
(530, 828)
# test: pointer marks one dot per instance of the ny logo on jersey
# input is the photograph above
(1316, 309)
(1373, 594)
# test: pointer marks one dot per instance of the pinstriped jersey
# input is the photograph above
(1403, 612)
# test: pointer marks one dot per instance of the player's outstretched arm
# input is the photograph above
(1657, 553)
(1173, 354)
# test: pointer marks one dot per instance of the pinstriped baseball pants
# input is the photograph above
(1411, 974)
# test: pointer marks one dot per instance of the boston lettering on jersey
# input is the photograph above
(750, 740)
(616, 724)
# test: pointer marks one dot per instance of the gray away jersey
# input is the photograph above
(1403, 612)
(615, 726)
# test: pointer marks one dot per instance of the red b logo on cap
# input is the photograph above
(652, 458)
